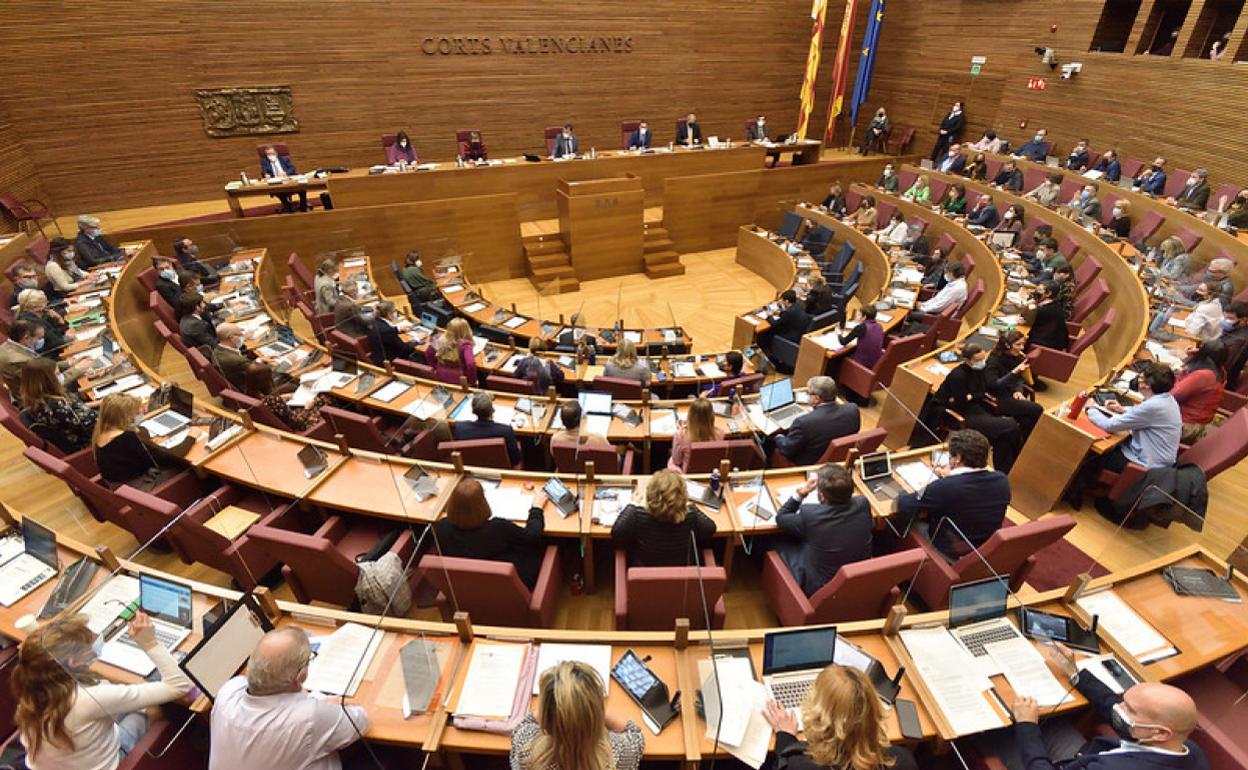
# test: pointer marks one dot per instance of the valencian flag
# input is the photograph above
(866, 63)
(840, 71)
(817, 10)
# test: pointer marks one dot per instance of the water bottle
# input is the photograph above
(578, 584)
(593, 355)
(1076, 405)
(593, 152)
(715, 482)
(243, 175)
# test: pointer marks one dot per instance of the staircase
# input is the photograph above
(548, 260)
(660, 258)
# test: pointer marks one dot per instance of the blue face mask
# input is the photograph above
(39, 344)
(1227, 325)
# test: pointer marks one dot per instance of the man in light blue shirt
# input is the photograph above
(1154, 423)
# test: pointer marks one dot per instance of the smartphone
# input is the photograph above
(908, 718)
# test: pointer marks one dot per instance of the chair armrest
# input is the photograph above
(626, 464)
(546, 591)
(1129, 477)
(786, 597)
(621, 590)
(404, 546)
(333, 529)
(181, 490)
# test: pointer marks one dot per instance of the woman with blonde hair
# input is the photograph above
(326, 286)
(450, 354)
(70, 719)
(626, 365)
(122, 455)
(699, 427)
(470, 531)
(572, 729)
(658, 535)
(64, 422)
(920, 192)
(844, 725)
(1172, 259)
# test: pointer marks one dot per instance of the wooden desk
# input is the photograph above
(803, 152)
(13, 248)
(304, 183)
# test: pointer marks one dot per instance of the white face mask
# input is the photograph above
(1117, 212)
(888, 172)
(978, 365)
(403, 143)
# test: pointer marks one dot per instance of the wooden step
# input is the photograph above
(566, 285)
(655, 231)
(553, 271)
(550, 245)
(661, 257)
(664, 270)
(548, 260)
(658, 244)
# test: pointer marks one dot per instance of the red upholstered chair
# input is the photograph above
(283, 149)
(147, 279)
(992, 167)
(884, 212)
(360, 431)
(414, 368)
(1145, 229)
(1071, 185)
(571, 459)
(946, 244)
(37, 249)
(618, 387)
(1010, 551)
(492, 592)
(1107, 206)
(1033, 176)
(11, 420)
(423, 447)
(319, 565)
(837, 449)
(1060, 364)
(1220, 449)
(939, 188)
(905, 179)
(244, 559)
(899, 140)
(479, 452)
(169, 336)
(1221, 717)
(8, 702)
(206, 372)
(552, 133)
(627, 127)
(853, 199)
(387, 141)
(1087, 302)
(78, 472)
(744, 385)
(506, 384)
(1225, 190)
(1176, 180)
(462, 137)
(301, 273)
(858, 591)
(947, 322)
(652, 598)
(265, 416)
(29, 212)
(743, 453)
(1069, 248)
(1087, 269)
(857, 378)
(1191, 239)
(1130, 167)
(162, 311)
(345, 343)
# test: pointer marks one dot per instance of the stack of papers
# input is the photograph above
(734, 703)
(662, 422)
(949, 672)
(1126, 626)
(916, 474)
(711, 369)
(509, 502)
(1026, 671)
(608, 502)
(342, 659)
(596, 656)
(489, 689)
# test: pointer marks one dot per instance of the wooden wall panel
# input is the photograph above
(102, 92)
(17, 173)
(1184, 109)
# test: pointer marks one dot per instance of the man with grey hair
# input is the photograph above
(347, 316)
(1217, 271)
(484, 427)
(230, 356)
(90, 247)
(809, 435)
(1195, 194)
(267, 720)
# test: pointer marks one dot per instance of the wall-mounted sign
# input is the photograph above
(529, 44)
(247, 110)
(1037, 84)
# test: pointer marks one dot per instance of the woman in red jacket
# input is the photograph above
(1198, 389)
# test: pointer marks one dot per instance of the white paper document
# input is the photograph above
(596, 656)
(342, 660)
(710, 369)
(599, 424)
(739, 725)
(390, 391)
(1125, 625)
(493, 677)
(948, 671)
(108, 602)
(662, 422)
(511, 503)
(1026, 671)
(916, 474)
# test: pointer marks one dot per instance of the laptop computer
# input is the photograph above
(283, 343)
(876, 470)
(429, 320)
(179, 414)
(168, 604)
(977, 616)
(793, 659)
(1002, 239)
(778, 404)
(597, 410)
(35, 565)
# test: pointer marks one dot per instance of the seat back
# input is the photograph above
(1089, 300)
(992, 167)
(300, 272)
(853, 199)
(905, 179)
(1146, 227)
(8, 701)
(490, 591)
(836, 269)
(792, 223)
(946, 244)
(1176, 180)
(1225, 446)
(884, 212)
(161, 310)
(150, 515)
(1191, 239)
(1225, 190)
(705, 456)
(745, 384)
(1068, 247)
(618, 387)
(1087, 269)
(357, 346)
(1093, 333)
(319, 570)
(10, 418)
(571, 457)
(205, 372)
(1107, 206)
(864, 589)
(510, 384)
(169, 336)
(898, 351)
(864, 442)
(1032, 177)
(627, 127)
(414, 368)
(147, 278)
(38, 247)
(1130, 167)
(552, 133)
(657, 596)
(480, 452)
(1071, 185)
(972, 297)
(938, 189)
(359, 430)
(1008, 548)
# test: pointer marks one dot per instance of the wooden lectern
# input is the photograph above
(600, 220)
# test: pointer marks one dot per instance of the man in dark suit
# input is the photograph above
(950, 130)
(1152, 180)
(1078, 158)
(791, 323)
(690, 133)
(384, 342)
(984, 214)
(281, 167)
(640, 138)
(1048, 319)
(229, 355)
(826, 535)
(167, 285)
(1009, 177)
(187, 254)
(485, 427)
(1036, 148)
(194, 324)
(1085, 207)
(90, 247)
(347, 316)
(565, 143)
(954, 161)
(1235, 338)
(972, 496)
(758, 131)
(809, 435)
(1195, 194)
(1154, 722)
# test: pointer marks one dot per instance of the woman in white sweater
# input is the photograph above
(68, 717)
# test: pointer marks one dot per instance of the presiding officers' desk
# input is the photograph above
(1201, 631)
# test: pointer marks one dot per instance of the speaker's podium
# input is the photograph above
(601, 224)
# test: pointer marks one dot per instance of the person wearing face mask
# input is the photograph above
(124, 454)
(167, 284)
(348, 318)
(954, 161)
(24, 343)
(1078, 158)
(1152, 180)
(1204, 322)
(1085, 207)
(1108, 166)
(1119, 225)
(953, 293)
(888, 179)
(877, 133)
(1009, 177)
(1047, 258)
(949, 131)
(984, 214)
(977, 169)
(640, 138)
(401, 151)
(1048, 191)
(1011, 221)
(989, 142)
(92, 248)
(1008, 376)
(1195, 194)
(758, 131)
(1218, 272)
(1047, 319)
(965, 391)
(566, 145)
(25, 276)
(689, 133)
(1235, 338)
(1036, 148)
(1198, 387)
(195, 325)
(230, 356)
(420, 287)
(384, 341)
(276, 166)
(1232, 214)
(325, 286)
(1154, 722)
(64, 277)
(186, 252)
(33, 306)
(67, 715)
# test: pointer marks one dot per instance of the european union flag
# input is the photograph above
(866, 63)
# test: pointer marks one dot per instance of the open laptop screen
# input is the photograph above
(775, 395)
(165, 600)
(595, 403)
(40, 542)
(811, 648)
(978, 601)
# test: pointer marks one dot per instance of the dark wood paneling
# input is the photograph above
(17, 173)
(102, 93)
(1145, 105)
